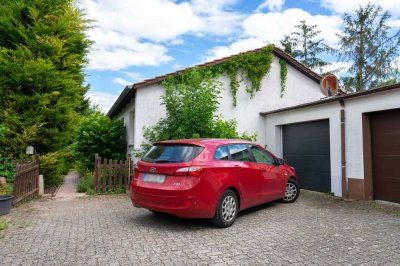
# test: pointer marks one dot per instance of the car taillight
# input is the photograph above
(135, 172)
(191, 171)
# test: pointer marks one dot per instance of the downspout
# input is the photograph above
(343, 150)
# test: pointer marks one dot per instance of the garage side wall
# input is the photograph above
(331, 111)
(355, 108)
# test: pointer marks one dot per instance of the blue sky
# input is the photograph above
(139, 39)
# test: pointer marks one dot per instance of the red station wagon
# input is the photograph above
(210, 178)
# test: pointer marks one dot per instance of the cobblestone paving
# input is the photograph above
(107, 230)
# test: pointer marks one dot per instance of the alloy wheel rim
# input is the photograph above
(228, 208)
(291, 191)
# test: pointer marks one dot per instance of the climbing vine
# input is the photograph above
(253, 66)
(283, 76)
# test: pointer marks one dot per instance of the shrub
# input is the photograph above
(86, 183)
(6, 190)
(97, 133)
(7, 168)
(52, 168)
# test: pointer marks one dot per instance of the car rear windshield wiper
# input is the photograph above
(164, 161)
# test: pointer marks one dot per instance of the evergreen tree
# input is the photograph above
(367, 43)
(43, 47)
(305, 46)
(289, 45)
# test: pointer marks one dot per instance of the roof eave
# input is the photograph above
(122, 100)
(335, 98)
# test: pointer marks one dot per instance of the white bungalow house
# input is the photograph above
(344, 144)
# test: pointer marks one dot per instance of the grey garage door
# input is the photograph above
(306, 148)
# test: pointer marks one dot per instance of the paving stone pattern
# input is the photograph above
(107, 230)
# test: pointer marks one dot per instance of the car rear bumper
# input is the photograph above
(183, 203)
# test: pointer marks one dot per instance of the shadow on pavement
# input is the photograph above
(173, 223)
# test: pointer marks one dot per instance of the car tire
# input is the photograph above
(227, 209)
(292, 191)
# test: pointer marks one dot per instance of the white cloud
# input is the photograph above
(156, 20)
(176, 66)
(257, 32)
(137, 33)
(121, 81)
(394, 23)
(341, 6)
(134, 76)
(102, 99)
(272, 5)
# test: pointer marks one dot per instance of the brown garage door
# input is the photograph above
(385, 133)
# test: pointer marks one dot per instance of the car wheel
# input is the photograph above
(227, 209)
(292, 191)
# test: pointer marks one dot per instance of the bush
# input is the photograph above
(97, 133)
(6, 190)
(7, 169)
(86, 183)
(53, 168)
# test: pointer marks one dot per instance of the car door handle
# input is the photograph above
(263, 169)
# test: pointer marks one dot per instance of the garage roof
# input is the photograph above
(129, 92)
(339, 97)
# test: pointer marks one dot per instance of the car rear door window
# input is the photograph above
(239, 152)
(221, 153)
(171, 153)
(262, 156)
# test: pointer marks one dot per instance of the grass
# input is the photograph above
(3, 225)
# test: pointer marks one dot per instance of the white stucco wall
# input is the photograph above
(299, 89)
(354, 109)
(148, 110)
(331, 111)
(127, 115)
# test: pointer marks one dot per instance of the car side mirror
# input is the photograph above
(279, 161)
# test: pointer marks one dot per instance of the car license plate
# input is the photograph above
(154, 178)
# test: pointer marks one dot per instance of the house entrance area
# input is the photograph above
(385, 144)
(306, 147)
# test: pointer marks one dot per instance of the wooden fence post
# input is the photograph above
(96, 172)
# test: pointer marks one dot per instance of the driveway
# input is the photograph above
(107, 230)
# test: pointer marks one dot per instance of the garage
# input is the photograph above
(385, 142)
(306, 147)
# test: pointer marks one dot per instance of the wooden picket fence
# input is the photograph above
(26, 183)
(112, 174)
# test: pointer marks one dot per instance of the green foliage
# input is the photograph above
(366, 43)
(42, 57)
(253, 66)
(304, 45)
(283, 72)
(6, 190)
(7, 168)
(97, 133)
(53, 168)
(86, 183)
(191, 100)
(3, 225)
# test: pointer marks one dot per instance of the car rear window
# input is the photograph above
(171, 153)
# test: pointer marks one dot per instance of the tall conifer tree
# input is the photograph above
(372, 47)
(43, 50)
